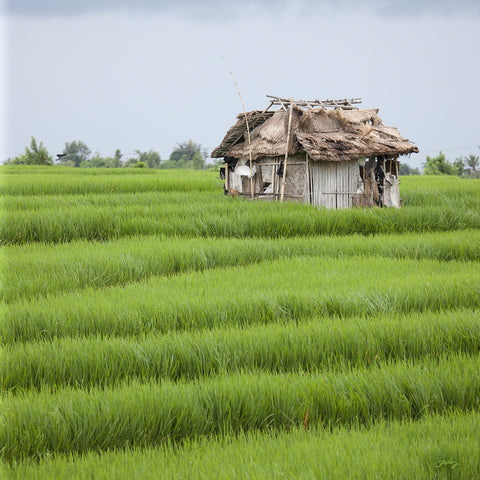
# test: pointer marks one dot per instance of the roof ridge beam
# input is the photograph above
(344, 103)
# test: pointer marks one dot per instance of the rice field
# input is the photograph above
(152, 326)
(437, 446)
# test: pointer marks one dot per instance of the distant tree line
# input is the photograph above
(187, 154)
(468, 166)
(191, 155)
(36, 154)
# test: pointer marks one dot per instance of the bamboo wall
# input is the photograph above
(333, 184)
(325, 184)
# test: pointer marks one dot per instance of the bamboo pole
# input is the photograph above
(282, 193)
(307, 178)
(383, 182)
(246, 123)
(227, 186)
(273, 179)
(336, 186)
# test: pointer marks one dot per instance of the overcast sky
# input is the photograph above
(146, 74)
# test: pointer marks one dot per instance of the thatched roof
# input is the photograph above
(328, 135)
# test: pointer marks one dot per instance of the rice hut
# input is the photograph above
(326, 153)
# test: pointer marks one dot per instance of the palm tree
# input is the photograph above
(473, 162)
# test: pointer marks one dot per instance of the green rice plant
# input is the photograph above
(9, 171)
(312, 345)
(442, 190)
(224, 218)
(287, 289)
(435, 446)
(139, 415)
(35, 203)
(105, 205)
(41, 182)
(224, 316)
(161, 180)
(40, 269)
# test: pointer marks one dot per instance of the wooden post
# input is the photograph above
(251, 168)
(273, 181)
(384, 177)
(290, 112)
(227, 187)
(307, 180)
(336, 185)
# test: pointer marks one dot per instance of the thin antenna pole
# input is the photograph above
(246, 122)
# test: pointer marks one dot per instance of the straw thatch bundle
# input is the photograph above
(326, 135)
